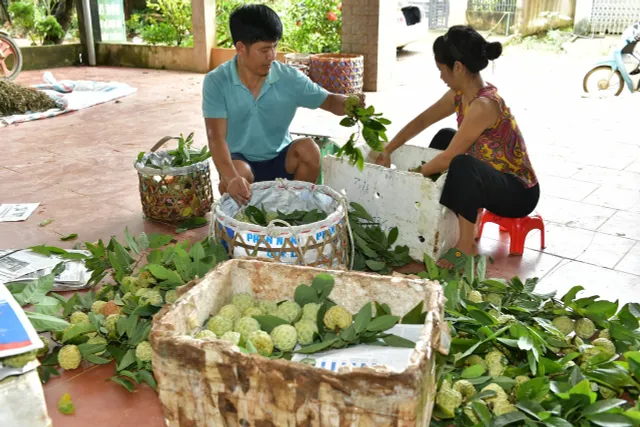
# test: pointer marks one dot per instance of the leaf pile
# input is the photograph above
(113, 323)
(310, 323)
(182, 156)
(525, 359)
(371, 125)
(259, 216)
(16, 99)
(373, 246)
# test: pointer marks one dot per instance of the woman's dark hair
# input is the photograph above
(463, 43)
(252, 23)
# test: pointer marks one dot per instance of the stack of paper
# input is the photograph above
(25, 265)
(17, 335)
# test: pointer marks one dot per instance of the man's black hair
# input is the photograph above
(252, 23)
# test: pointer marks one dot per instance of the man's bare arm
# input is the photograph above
(217, 138)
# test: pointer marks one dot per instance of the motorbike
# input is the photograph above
(611, 75)
(10, 54)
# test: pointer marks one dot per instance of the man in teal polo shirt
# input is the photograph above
(249, 104)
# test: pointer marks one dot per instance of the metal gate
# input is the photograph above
(613, 16)
(438, 14)
(505, 7)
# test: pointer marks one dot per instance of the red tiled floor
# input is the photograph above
(79, 167)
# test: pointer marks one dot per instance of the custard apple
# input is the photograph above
(146, 279)
(205, 335)
(268, 306)
(605, 343)
(474, 296)
(44, 350)
(111, 308)
(284, 337)
(69, 357)
(448, 400)
(19, 360)
(502, 407)
(306, 329)
(262, 342)
(96, 307)
(78, 317)
(233, 337)
(171, 296)
(152, 297)
(494, 299)
(98, 340)
(219, 325)
(243, 301)
(130, 284)
(245, 326)
(144, 351)
(564, 324)
(310, 311)
(253, 311)
(230, 312)
(585, 328)
(337, 317)
(289, 311)
(465, 388)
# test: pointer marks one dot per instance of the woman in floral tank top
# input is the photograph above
(486, 159)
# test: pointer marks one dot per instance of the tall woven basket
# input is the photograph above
(338, 72)
(174, 193)
(299, 61)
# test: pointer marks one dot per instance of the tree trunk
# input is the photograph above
(64, 13)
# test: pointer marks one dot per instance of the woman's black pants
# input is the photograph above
(472, 184)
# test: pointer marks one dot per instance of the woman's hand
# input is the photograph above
(384, 159)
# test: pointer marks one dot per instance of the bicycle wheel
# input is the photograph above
(10, 58)
(606, 81)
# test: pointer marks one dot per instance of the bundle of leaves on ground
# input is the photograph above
(308, 324)
(524, 359)
(373, 245)
(182, 156)
(16, 99)
(262, 217)
(113, 323)
(371, 125)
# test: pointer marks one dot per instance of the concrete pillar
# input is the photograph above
(368, 29)
(203, 19)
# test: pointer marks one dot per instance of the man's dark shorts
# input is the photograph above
(267, 170)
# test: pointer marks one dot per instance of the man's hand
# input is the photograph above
(240, 190)
(384, 159)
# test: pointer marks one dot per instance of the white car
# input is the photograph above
(413, 24)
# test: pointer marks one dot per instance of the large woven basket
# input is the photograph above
(174, 194)
(338, 72)
(300, 61)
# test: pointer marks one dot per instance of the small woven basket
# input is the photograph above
(300, 61)
(174, 193)
(338, 72)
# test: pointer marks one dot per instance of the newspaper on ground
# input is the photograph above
(17, 334)
(17, 212)
(75, 275)
(18, 263)
(363, 355)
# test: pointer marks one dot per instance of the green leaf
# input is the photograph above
(147, 377)
(510, 418)
(627, 318)
(570, 296)
(88, 349)
(382, 323)
(535, 389)
(131, 242)
(128, 359)
(65, 405)
(432, 269)
(363, 318)
(375, 265)
(323, 284)
(557, 422)
(96, 360)
(49, 305)
(530, 408)
(45, 222)
(481, 272)
(393, 236)
(182, 261)
(382, 309)
(482, 412)
(396, 341)
(611, 420)
(604, 308)
(157, 240)
(317, 347)
(602, 406)
(482, 317)
(474, 371)
(45, 323)
(77, 330)
(268, 322)
(127, 384)
(162, 273)
(35, 291)
(347, 122)
(414, 316)
(69, 237)
(191, 223)
(305, 294)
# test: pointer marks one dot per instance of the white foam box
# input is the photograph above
(398, 198)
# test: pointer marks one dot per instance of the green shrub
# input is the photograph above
(48, 28)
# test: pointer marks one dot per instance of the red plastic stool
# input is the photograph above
(518, 229)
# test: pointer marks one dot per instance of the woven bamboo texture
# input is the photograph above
(210, 383)
(177, 194)
(338, 72)
(299, 61)
(322, 244)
